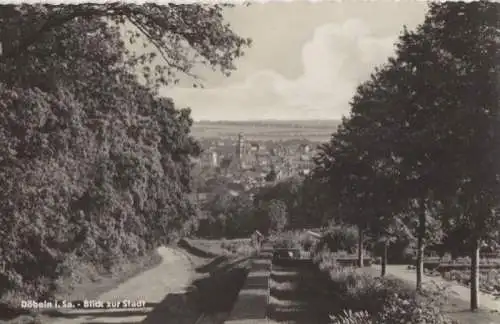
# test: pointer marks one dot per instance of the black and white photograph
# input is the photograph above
(245, 162)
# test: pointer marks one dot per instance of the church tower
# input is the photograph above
(240, 149)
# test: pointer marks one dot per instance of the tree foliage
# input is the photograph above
(94, 166)
(229, 216)
(422, 137)
(182, 35)
(277, 215)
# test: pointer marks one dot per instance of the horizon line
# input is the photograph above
(260, 120)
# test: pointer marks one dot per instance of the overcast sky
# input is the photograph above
(306, 59)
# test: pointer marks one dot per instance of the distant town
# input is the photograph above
(243, 156)
(251, 164)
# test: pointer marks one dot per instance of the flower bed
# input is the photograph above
(489, 280)
(446, 264)
(445, 267)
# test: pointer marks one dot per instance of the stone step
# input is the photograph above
(253, 299)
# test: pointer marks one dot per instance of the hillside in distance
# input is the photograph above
(313, 130)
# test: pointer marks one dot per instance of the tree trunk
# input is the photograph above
(420, 246)
(384, 259)
(360, 246)
(474, 276)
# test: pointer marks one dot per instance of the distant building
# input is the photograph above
(215, 159)
(209, 159)
(241, 152)
(254, 147)
(240, 146)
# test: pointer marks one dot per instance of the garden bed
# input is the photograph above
(447, 264)
(445, 267)
(489, 280)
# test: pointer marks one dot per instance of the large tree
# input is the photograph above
(358, 163)
(454, 56)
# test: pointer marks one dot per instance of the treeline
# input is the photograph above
(418, 155)
(290, 204)
(94, 165)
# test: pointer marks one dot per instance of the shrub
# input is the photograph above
(373, 294)
(386, 300)
(325, 260)
(350, 317)
(422, 309)
(307, 242)
(339, 239)
(355, 295)
(358, 297)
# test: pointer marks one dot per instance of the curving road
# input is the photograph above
(162, 288)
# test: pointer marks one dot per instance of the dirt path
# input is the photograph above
(159, 288)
